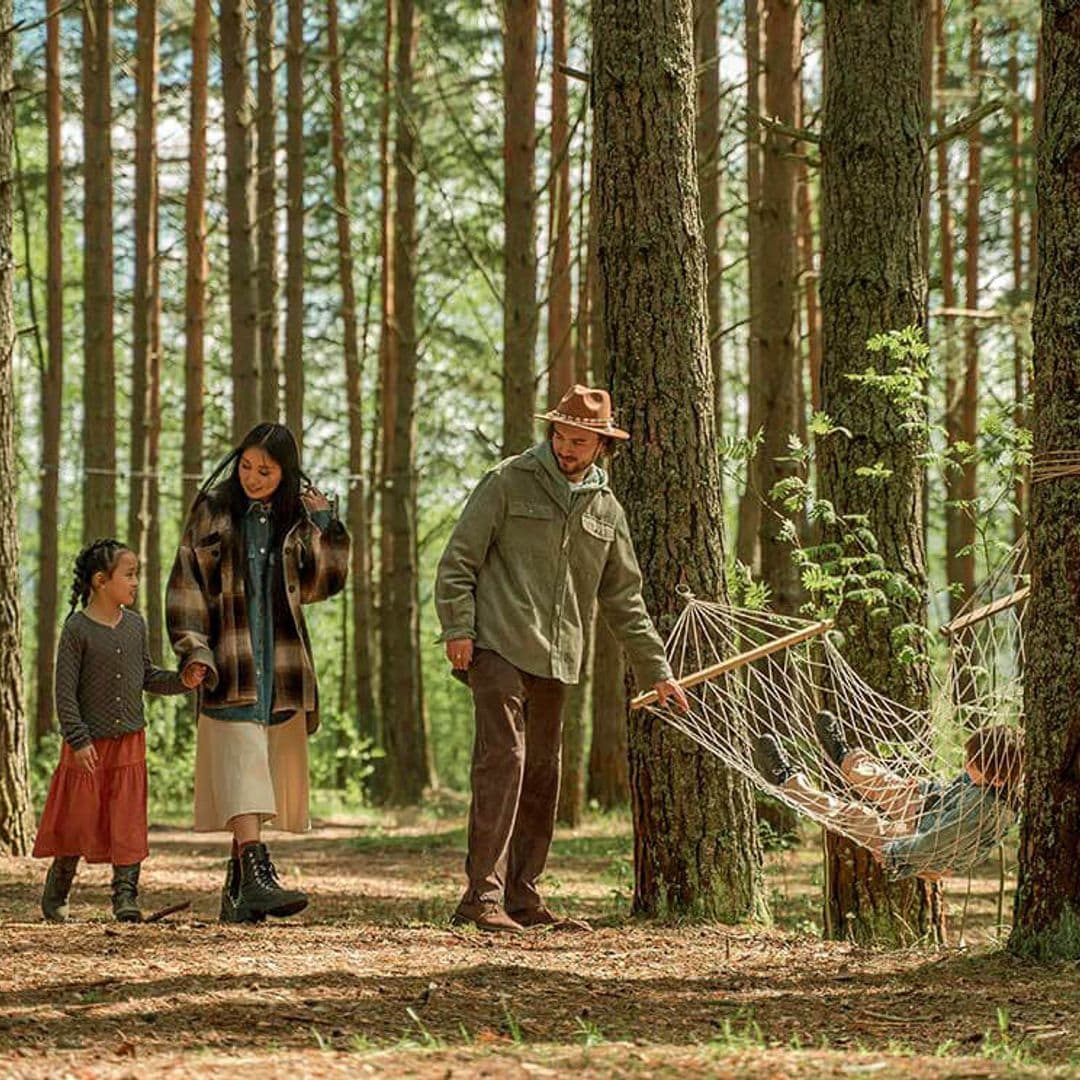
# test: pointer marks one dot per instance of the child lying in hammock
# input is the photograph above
(924, 828)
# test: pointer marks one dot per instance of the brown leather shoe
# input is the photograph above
(544, 916)
(485, 915)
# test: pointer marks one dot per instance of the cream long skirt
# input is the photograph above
(247, 768)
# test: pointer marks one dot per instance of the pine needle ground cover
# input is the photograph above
(371, 981)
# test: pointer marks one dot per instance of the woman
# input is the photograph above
(260, 541)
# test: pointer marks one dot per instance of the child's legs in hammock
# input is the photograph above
(898, 797)
(855, 820)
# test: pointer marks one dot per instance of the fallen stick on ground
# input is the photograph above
(166, 911)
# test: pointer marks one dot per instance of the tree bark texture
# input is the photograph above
(1019, 284)
(586, 260)
(749, 521)
(16, 814)
(266, 212)
(951, 357)
(609, 753)
(294, 240)
(196, 258)
(696, 847)
(710, 184)
(142, 530)
(239, 198)
(572, 769)
(360, 569)
(519, 216)
(560, 345)
(779, 375)
(51, 389)
(408, 751)
(386, 409)
(99, 363)
(873, 157)
(1047, 919)
(963, 413)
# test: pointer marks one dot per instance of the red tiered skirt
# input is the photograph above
(100, 815)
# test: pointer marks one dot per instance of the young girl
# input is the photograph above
(259, 543)
(96, 808)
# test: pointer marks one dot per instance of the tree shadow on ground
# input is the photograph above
(952, 1000)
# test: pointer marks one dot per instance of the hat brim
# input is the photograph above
(557, 418)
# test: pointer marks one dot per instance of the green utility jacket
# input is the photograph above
(528, 561)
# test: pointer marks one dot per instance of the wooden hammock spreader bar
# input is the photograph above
(962, 622)
(743, 658)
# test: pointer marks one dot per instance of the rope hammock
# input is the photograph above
(772, 696)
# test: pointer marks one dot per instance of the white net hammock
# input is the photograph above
(758, 683)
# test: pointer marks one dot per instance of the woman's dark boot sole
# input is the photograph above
(294, 907)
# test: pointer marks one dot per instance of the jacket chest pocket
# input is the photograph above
(595, 540)
(208, 558)
(530, 530)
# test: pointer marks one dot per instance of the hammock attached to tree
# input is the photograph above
(757, 679)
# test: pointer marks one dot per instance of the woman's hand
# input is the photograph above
(313, 499)
(193, 675)
(87, 758)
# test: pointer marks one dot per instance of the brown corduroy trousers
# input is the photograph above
(515, 780)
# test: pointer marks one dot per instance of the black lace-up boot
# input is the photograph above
(261, 893)
(232, 909)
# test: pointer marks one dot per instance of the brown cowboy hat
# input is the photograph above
(588, 409)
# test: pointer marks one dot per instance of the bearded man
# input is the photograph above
(541, 542)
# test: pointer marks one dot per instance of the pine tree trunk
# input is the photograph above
(408, 752)
(951, 358)
(779, 375)
(360, 569)
(749, 523)
(52, 391)
(266, 213)
(1036, 136)
(809, 269)
(1047, 919)
(243, 300)
(710, 185)
(142, 531)
(560, 345)
(16, 815)
(585, 265)
(195, 252)
(696, 843)
(294, 214)
(387, 409)
(1016, 229)
(962, 425)
(519, 215)
(99, 364)
(573, 774)
(609, 753)
(873, 158)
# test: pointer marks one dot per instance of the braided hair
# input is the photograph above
(101, 556)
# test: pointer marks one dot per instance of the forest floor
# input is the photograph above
(371, 980)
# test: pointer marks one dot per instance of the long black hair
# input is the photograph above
(223, 490)
(101, 556)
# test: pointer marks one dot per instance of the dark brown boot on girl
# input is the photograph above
(54, 897)
(125, 893)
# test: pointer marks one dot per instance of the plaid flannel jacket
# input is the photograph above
(206, 608)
